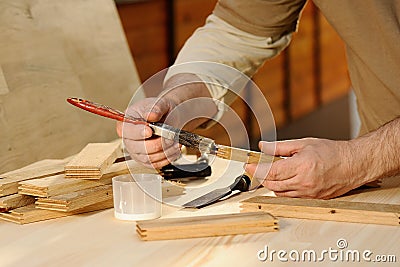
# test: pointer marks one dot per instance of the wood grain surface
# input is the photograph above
(326, 210)
(87, 236)
(51, 50)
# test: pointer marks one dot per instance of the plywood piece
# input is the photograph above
(30, 214)
(51, 50)
(93, 160)
(206, 226)
(328, 210)
(76, 200)
(58, 185)
(15, 201)
(9, 181)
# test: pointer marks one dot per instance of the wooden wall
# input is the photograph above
(310, 73)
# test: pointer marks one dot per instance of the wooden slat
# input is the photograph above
(93, 160)
(205, 226)
(15, 201)
(329, 210)
(58, 185)
(30, 214)
(9, 181)
(76, 200)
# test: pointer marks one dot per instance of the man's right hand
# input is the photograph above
(151, 151)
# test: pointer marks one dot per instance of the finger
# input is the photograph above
(277, 171)
(166, 154)
(118, 127)
(288, 194)
(150, 109)
(142, 159)
(282, 170)
(258, 171)
(149, 146)
(281, 148)
(281, 186)
(136, 131)
(162, 163)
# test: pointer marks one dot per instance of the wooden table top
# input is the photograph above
(98, 239)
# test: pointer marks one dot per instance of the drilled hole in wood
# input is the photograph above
(259, 207)
(332, 211)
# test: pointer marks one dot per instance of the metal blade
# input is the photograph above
(208, 198)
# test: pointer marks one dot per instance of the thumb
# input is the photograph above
(280, 148)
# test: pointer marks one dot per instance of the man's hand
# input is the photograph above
(314, 168)
(187, 104)
(150, 151)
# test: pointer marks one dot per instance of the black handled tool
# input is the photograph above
(241, 183)
(188, 171)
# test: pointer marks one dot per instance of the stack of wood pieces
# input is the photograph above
(207, 226)
(327, 210)
(30, 213)
(44, 191)
(9, 181)
(92, 161)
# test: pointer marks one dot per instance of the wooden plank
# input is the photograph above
(30, 214)
(93, 160)
(76, 200)
(206, 226)
(329, 210)
(15, 201)
(9, 181)
(58, 185)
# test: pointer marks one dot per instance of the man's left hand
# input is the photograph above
(314, 168)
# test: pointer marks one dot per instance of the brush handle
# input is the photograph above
(243, 155)
(104, 110)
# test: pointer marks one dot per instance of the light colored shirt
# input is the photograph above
(243, 34)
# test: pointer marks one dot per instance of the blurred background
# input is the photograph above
(307, 86)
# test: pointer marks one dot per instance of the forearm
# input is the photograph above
(220, 42)
(376, 154)
(192, 99)
(218, 54)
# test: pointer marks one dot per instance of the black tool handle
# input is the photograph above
(242, 183)
(171, 171)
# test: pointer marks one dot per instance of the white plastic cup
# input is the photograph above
(137, 197)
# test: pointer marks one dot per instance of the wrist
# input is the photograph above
(363, 161)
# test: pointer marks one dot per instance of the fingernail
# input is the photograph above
(169, 142)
